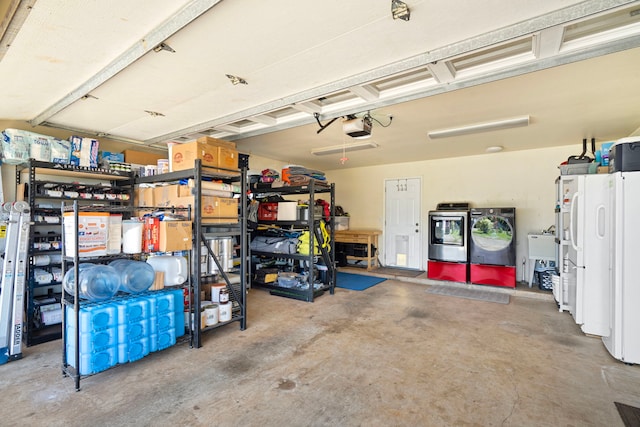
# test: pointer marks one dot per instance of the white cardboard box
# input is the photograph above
(287, 211)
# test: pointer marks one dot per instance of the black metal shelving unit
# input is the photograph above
(312, 224)
(205, 229)
(40, 190)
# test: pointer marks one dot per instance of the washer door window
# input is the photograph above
(491, 233)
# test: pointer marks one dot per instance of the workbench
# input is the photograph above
(366, 237)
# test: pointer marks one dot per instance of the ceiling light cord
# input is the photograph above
(378, 121)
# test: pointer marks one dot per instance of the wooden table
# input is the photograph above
(364, 236)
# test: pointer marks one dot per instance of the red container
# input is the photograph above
(151, 235)
(268, 211)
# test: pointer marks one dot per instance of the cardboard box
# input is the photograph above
(142, 157)
(179, 196)
(111, 157)
(144, 197)
(175, 236)
(227, 158)
(226, 210)
(213, 156)
(217, 142)
(166, 195)
(184, 191)
(184, 155)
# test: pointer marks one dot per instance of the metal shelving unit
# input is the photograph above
(312, 224)
(205, 229)
(47, 228)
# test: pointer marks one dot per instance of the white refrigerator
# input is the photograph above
(622, 335)
(588, 252)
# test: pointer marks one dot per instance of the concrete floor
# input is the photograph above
(393, 355)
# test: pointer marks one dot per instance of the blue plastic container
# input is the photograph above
(133, 350)
(98, 337)
(133, 331)
(93, 317)
(166, 339)
(165, 302)
(132, 309)
(93, 362)
(178, 300)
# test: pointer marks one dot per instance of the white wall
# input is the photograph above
(523, 179)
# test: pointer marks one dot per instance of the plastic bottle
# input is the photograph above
(98, 282)
(175, 268)
(135, 276)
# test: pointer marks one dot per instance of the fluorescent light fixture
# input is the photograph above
(494, 149)
(343, 147)
(480, 127)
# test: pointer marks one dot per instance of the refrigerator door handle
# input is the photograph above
(600, 222)
(572, 239)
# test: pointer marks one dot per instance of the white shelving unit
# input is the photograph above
(566, 186)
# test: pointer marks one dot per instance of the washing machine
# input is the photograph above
(492, 246)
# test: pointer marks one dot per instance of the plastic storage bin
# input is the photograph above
(98, 338)
(133, 328)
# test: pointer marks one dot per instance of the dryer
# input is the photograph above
(492, 246)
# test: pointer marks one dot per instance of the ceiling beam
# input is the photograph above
(366, 92)
(307, 107)
(547, 42)
(175, 23)
(300, 100)
(442, 71)
(512, 71)
(17, 12)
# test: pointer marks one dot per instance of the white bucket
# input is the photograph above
(211, 314)
(132, 236)
(224, 312)
(175, 268)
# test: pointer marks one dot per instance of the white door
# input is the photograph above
(593, 271)
(402, 228)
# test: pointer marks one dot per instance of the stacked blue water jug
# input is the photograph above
(121, 327)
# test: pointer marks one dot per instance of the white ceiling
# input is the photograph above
(90, 66)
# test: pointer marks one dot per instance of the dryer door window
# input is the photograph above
(491, 233)
(447, 231)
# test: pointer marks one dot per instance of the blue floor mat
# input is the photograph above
(356, 282)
